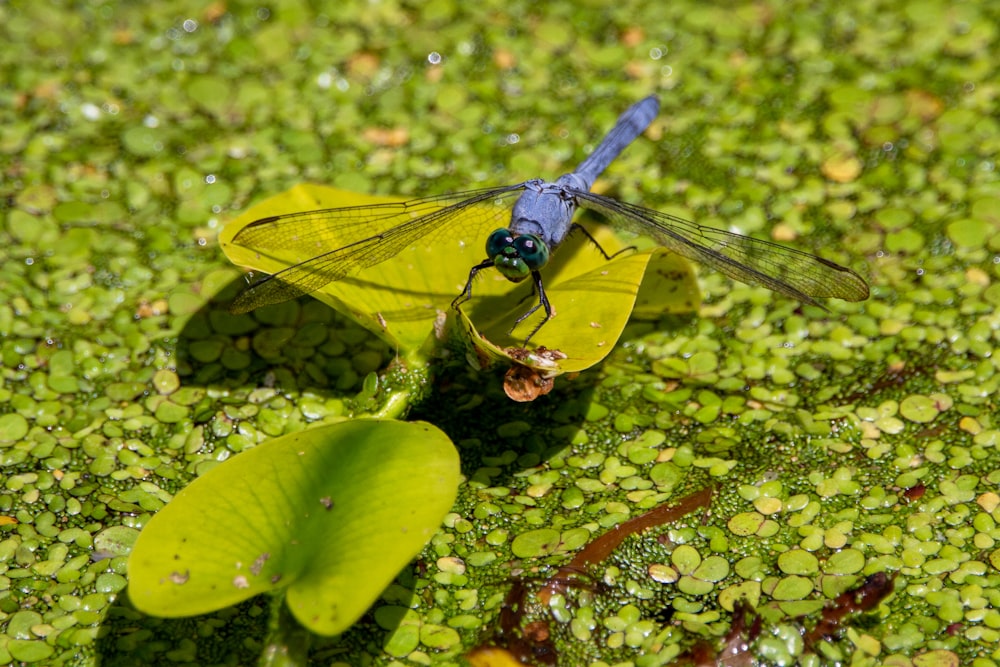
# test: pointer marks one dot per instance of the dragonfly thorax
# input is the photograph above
(545, 210)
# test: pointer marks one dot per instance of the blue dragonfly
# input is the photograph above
(529, 220)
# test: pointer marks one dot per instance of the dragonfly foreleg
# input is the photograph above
(467, 292)
(543, 302)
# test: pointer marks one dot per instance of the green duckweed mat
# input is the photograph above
(839, 444)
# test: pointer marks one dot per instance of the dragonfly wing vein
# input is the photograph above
(376, 246)
(791, 272)
(314, 231)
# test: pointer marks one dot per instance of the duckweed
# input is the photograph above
(121, 367)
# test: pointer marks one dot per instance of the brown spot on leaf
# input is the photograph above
(258, 564)
(180, 578)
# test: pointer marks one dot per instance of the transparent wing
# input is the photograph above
(347, 240)
(791, 272)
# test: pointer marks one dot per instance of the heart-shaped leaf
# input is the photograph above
(330, 513)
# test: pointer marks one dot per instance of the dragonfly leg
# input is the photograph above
(543, 302)
(575, 227)
(467, 292)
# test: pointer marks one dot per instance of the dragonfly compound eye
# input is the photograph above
(516, 256)
(532, 250)
(497, 241)
(501, 250)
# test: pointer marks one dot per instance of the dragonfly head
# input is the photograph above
(516, 256)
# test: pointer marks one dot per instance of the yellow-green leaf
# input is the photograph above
(397, 300)
(331, 514)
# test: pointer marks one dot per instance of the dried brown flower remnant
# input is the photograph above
(524, 384)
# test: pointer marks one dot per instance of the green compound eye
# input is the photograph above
(497, 241)
(532, 250)
(515, 257)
